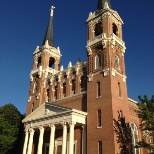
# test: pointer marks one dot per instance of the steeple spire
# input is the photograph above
(101, 4)
(49, 32)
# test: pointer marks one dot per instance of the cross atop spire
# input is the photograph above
(101, 4)
(49, 32)
(51, 11)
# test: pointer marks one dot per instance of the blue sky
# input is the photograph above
(22, 28)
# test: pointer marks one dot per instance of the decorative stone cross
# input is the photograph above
(51, 11)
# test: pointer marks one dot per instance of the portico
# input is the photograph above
(53, 117)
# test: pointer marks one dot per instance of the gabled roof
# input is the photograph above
(101, 4)
(53, 113)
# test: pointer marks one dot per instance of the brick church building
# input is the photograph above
(71, 111)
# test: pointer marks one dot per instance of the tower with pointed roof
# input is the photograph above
(46, 62)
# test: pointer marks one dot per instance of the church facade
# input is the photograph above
(71, 111)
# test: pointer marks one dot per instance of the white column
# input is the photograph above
(64, 137)
(52, 137)
(71, 137)
(39, 149)
(30, 141)
(25, 142)
(83, 140)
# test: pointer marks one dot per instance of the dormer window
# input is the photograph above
(115, 29)
(98, 29)
(98, 61)
(51, 62)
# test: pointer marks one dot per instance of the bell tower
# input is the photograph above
(107, 89)
(46, 62)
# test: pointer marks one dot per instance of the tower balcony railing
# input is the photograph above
(95, 39)
(51, 70)
(118, 40)
(34, 71)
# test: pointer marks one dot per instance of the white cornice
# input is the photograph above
(55, 52)
(103, 39)
(106, 12)
(115, 72)
(132, 101)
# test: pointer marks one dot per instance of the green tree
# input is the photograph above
(10, 128)
(123, 133)
(146, 113)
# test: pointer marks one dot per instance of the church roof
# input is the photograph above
(51, 113)
(101, 4)
(49, 31)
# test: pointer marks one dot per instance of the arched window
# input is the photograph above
(35, 88)
(98, 29)
(64, 90)
(151, 142)
(55, 92)
(51, 62)
(115, 29)
(73, 87)
(119, 89)
(32, 109)
(98, 61)
(83, 83)
(39, 62)
(134, 132)
(117, 66)
(48, 94)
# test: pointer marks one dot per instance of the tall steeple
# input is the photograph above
(49, 32)
(101, 4)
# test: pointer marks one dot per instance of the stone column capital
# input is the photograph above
(71, 123)
(31, 130)
(41, 128)
(52, 126)
(26, 130)
(83, 127)
(63, 124)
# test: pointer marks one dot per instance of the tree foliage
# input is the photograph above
(146, 113)
(10, 128)
(123, 133)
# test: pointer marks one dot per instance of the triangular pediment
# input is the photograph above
(45, 110)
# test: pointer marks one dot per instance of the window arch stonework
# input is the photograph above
(135, 138)
(98, 30)
(115, 29)
(117, 62)
(98, 61)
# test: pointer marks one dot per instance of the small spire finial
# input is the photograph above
(101, 4)
(51, 11)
